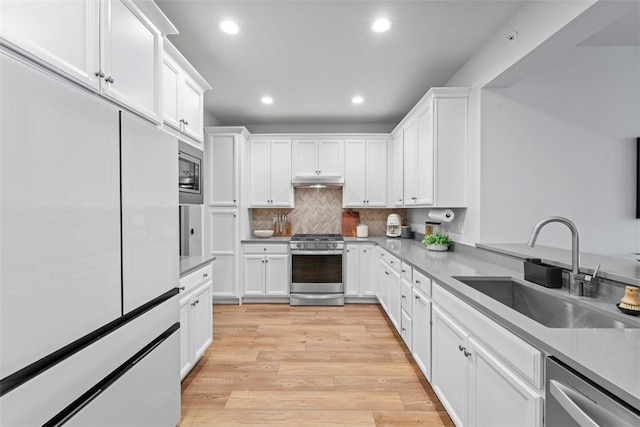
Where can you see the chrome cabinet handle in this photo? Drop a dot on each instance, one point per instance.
(417, 296)
(404, 329)
(205, 275)
(391, 261)
(386, 272)
(109, 80)
(186, 123)
(467, 353)
(461, 348)
(182, 288)
(403, 296)
(99, 74)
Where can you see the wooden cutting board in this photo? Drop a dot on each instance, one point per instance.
(350, 221)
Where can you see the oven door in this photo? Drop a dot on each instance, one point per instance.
(316, 272)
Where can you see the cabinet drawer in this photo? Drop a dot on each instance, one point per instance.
(407, 272)
(422, 282)
(392, 261)
(522, 357)
(406, 300)
(190, 281)
(269, 248)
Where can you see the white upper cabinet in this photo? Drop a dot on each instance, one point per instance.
(433, 139)
(323, 158)
(64, 34)
(365, 173)
(222, 162)
(397, 197)
(183, 94)
(270, 173)
(110, 46)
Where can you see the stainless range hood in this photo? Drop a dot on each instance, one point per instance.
(314, 181)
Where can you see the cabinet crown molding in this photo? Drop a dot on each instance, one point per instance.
(175, 54)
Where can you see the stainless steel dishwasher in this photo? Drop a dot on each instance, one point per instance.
(572, 400)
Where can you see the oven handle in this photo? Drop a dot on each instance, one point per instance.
(562, 395)
(297, 252)
(317, 296)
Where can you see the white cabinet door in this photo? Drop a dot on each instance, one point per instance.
(260, 169)
(186, 361)
(330, 157)
(376, 173)
(367, 261)
(201, 320)
(411, 163)
(425, 158)
(422, 332)
(354, 190)
(406, 329)
(450, 369)
(406, 297)
(192, 108)
(150, 241)
(305, 158)
(498, 397)
(130, 55)
(64, 34)
(222, 242)
(170, 92)
(280, 173)
(395, 286)
(253, 274)
(383, 285)
(221, 184)
(277, 275)
(398, 172)
(352, 279)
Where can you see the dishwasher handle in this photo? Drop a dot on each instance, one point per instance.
(562, 394)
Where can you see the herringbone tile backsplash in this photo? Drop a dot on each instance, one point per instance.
(320, 211)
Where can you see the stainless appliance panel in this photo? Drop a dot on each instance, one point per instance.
(316, 268)
(572, 400)
(190, 217)
(316, 299)
(317, 287)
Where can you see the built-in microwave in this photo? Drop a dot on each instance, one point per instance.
(190, 175)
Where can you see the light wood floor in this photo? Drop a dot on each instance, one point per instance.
(272, 364)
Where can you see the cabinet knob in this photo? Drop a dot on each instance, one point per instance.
(403, 296)
(109, 80)
(461, 348)
(417, 282)
(186, 123)
(404, 329)
(364, 250)
(182, 288)
(266, 260)
(386, 272)
(417, 296)
(391, 262)
(467, 353)
(99, 74)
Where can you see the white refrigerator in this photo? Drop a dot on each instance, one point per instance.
(89, 322)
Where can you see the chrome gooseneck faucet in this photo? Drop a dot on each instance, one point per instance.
(575, 281)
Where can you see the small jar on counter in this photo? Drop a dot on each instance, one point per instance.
(431, 227)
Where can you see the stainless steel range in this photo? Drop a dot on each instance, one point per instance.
(316, 269)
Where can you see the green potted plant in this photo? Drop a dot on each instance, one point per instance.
(437, 242)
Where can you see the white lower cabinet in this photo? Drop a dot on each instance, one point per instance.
(421, 340)
(265, 270)
(196, 317)
(390, 285)
(476, 386)
(222, 239)
(360, 267)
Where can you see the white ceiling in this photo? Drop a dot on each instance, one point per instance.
(312, 57)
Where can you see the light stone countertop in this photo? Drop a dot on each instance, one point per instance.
(189, 264)
(609, 357)
(618, 269)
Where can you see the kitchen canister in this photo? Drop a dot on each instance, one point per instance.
(405, 232)
(362, 230)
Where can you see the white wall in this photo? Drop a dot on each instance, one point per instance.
(563, 142)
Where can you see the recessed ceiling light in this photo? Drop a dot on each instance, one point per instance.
(229, 27)
(267, 100)
(381, 25)
(357, 100)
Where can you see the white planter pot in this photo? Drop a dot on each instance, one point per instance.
(438, 248)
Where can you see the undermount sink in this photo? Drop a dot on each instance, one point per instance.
(547, 309)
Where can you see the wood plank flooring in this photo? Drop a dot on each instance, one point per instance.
(276, 365)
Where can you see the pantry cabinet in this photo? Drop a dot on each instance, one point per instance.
(270, 173)
(222, 166)
(265, 270)
(109, 46)
(365, 173)
(196, 327)
(318, 158)
(360, 266)
(183, 94)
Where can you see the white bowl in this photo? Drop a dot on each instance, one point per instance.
(263, 233)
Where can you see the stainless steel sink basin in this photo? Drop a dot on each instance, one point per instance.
(547, 309)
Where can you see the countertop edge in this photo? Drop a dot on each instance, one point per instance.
(189, 264)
